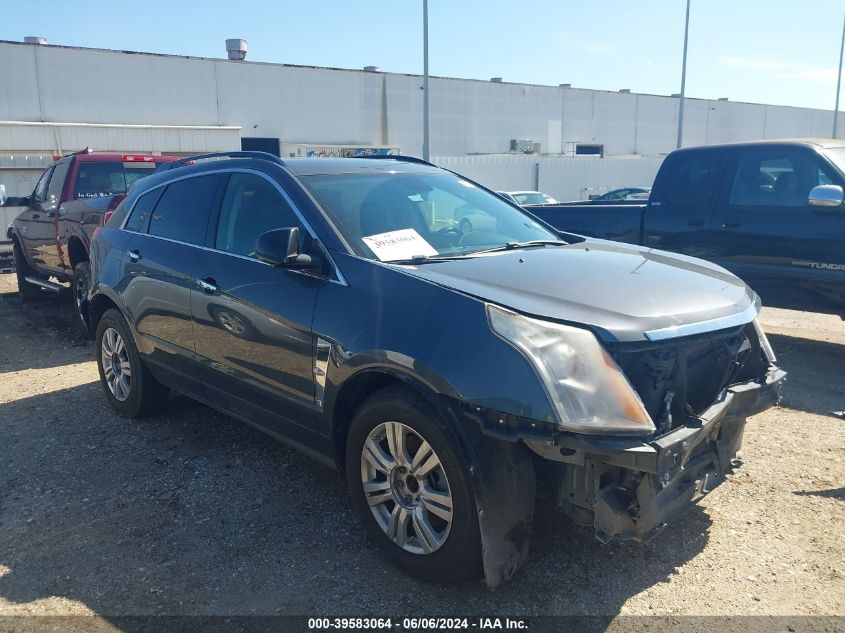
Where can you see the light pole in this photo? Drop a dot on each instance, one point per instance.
(425, 81)
(683, 82)
(839, 80)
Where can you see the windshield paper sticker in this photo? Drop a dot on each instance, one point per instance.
(402, 244)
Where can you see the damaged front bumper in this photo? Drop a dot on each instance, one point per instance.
(628, 488)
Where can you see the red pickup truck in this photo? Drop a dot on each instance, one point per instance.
(74, 196)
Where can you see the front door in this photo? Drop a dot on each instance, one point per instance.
(253, 321)
(763, 228)
(35, 222)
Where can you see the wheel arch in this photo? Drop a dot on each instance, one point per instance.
(360, 386)
(76, 251)
(98, 303)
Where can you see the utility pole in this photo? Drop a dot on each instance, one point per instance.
(839, 80)
(683, 82)
(425, 81)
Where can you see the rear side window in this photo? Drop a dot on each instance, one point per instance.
(182, 211)
(691, 180)
(251, 206)
(141, 211)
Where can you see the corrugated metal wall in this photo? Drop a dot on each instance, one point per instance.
(328, 106)
(565, 177)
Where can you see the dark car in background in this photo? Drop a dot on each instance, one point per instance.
(51, 236)
(771, 212)
(448, 374)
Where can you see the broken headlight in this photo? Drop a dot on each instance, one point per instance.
(588, 391)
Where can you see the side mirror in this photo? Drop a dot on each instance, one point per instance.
(826, 196)
(280, 247)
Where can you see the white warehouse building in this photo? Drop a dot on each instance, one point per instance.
(58, 99)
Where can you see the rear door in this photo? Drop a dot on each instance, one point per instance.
(170, 225)
(763, 228)
(252, 320)
(677, 217)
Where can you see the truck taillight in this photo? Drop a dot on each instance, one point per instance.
(130, 158)
(113, 203)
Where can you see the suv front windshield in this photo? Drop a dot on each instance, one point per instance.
(400, 216)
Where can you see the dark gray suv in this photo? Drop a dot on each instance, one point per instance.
(337, 305)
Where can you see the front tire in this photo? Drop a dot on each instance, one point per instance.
(411, 488)
(129, 386)
(28, 291)
(80, 285)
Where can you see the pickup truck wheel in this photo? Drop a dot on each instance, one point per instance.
(412, 488)
(80, 285)
(27, 290)
(129, 386)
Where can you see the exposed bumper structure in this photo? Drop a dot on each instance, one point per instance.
(631, 489)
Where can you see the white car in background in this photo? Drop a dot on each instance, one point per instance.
(527, 198)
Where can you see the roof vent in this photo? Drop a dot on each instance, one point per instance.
(565, 85)
(371, 69)
(496, 80)
(236, 48)
(625, 91)
(723, 98)
(35, 39)
(676, 95)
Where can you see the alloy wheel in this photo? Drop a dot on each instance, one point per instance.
(115, 360)
(406, 488)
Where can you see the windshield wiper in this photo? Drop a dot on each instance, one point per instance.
(515, 245)
(428, 259)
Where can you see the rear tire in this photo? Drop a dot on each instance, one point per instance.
(419, 508)
(80, 285)
(129, 386)
(27, 290)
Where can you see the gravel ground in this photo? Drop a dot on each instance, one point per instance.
(191, 512)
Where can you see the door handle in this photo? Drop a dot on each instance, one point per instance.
(208, 285)
(695, 222)
(731, 224)
(135, 255)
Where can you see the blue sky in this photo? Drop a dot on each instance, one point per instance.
(767, 51)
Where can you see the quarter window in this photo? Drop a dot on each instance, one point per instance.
(251, 206)
(183, 209)
(141, 212)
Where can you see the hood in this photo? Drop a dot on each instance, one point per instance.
(621, 292)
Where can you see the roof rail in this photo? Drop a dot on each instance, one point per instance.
(400, 157)
(190, 159)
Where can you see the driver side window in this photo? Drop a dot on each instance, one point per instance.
(40, 193)
(251, 206)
